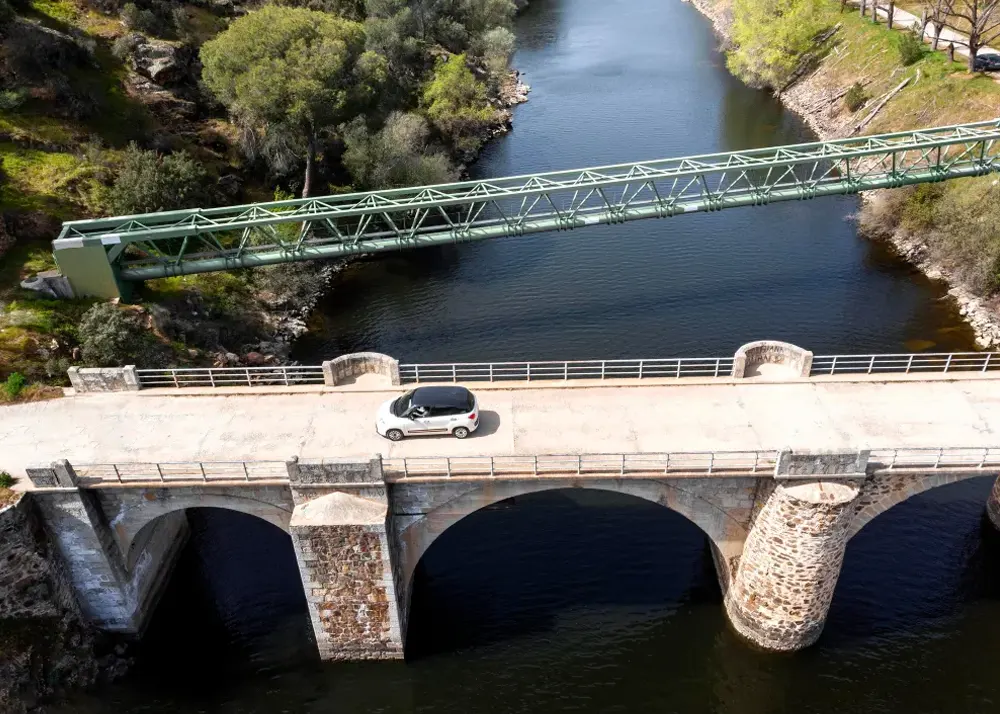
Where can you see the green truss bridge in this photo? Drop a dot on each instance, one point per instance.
(104, 257)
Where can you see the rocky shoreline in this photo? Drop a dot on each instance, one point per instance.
(812, 103)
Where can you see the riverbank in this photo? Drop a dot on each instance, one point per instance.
(937, 93)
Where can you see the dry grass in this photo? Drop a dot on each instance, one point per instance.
(8, 497)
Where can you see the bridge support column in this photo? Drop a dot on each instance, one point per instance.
(341, 540)
(110, 596)
(993, 505)
(783, 585)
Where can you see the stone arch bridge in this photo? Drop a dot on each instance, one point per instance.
(778, 524)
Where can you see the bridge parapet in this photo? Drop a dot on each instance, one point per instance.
(771, 358)
(348, 368)
(104, 379)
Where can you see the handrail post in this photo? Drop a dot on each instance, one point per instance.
(909, 364)
(173, 373)
(579, 464)
(211, 376)
(247, 371)
(447, 463)
(678, 368)
(666, 465)
(528, 365)
(491, 371)
(118, 474)
(718, 366)
(159, 471)
(535, 465)
(284, 373)
(833, 365)
(640, 369)
(454, 372)
(947, 364)
(711, 462)
(602, 369)
(246, 472)
(940, 454)
(986, 454)
(416, 373)
(204, 476)
(986, 364)
(623, 465)
(565, 371)
(406, 471)
(493, 473)
(871, 364)
(756, 460)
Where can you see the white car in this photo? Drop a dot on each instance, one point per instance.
(429, 410)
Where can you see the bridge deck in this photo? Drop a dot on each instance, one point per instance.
(124, 427)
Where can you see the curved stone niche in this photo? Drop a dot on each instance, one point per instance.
(346, 369)
(770, 358)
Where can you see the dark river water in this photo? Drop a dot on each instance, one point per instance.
(586, 601)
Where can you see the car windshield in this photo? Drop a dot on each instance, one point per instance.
(400, 406)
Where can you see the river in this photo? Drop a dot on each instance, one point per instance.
(591, 602)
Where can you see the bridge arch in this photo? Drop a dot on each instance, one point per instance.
(886, 490)
(720, 508)
(134, 513)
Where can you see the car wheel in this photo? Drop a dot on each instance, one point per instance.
(394, 435)
(460, 432)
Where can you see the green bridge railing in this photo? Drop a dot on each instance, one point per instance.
(100, 257)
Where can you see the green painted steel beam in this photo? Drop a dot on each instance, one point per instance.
(205, 240)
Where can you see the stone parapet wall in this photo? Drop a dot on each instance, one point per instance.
(87, 380)
(784, 584)
(349, 588)
(752, 355)
(347, 368)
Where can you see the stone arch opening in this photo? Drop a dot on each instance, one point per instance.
(137, 515)
(235, 589)
(919, 560)
(520, 564)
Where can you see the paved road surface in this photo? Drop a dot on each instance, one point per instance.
(140, 427)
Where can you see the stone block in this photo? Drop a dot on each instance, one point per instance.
(811, 464)
(88, 380)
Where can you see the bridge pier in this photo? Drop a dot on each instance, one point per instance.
(783, 585)
(993, 505)
(341, 540)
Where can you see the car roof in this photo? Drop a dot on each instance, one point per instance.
(441, 397)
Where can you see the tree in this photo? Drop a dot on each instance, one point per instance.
(980, 19)
(495, 47)
(287, 75)
(455, 102)
(769, 38)
(397, 155)
(936, 12)
(146, 182)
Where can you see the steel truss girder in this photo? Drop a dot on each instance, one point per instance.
(203, 240)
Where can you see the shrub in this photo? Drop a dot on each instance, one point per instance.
(397, 155)
(11, 99)
(110, 336)
(909, 47)
(455, 102)
(919, 206)
(141, 20)
(148, 182)
(855, 97)
(6, 480)
(14, 385)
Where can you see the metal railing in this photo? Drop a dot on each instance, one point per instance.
(230, 376)
(674, 367)
(722, 464)
(176, 471)
(935, 458)
(731, 463)
(930, 362)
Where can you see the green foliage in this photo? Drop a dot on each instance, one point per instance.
(909, 47)
(6, 480)
(13, 386)
(111, 337)
(455, 102)
(147, 181)
(770, 38)
(287, 74)
(966, 221)
(397, 155)
(919, 206)
(855, 97)
(11, 99)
